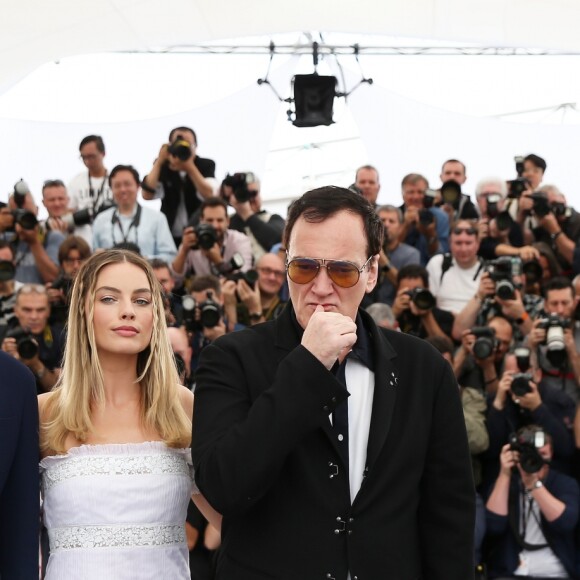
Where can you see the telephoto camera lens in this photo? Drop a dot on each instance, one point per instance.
(486, 343)
(422, 298)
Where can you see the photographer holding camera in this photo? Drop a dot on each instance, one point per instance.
(60, 218)
(414, 306)
(180, 178)
(555, 338)
(32, 340)
(71, 255)
(260, 300)
(90, 190)
(209, 247)
(209, 311)
(425, 227)
(557, 224)
(501, 292)
(454, 276)
(393, 256)
(533, 511)
(478, 361)
(35, 249)
(456, 205)
(523, 398)
(242, 192)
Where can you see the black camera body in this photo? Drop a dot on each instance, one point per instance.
(250, 277)
(206, 236)
(180, 148)
(502, 271)
(239, 183)
(209, 313)
(24, 218)
(520, 384)
(541, 207)
(517, 186)
(422, 298)
(486, 343)
(26, 344)
(451, 193)
(425, 216)
(526, 443)
(83, 217)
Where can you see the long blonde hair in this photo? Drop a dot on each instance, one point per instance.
(80, 386)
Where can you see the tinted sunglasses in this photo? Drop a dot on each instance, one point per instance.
(342, 273)
(470, 231)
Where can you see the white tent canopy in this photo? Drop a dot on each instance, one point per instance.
(33, 32)
(237, 126)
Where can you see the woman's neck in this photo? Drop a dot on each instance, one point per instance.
(120, 378)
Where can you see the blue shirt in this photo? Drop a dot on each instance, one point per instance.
(151, 234)
(417, 240)
(26, 270)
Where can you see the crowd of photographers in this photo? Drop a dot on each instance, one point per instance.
(492, 280)
(493, 283)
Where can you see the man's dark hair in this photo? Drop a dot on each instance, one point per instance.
(5, 244)
(128, 168)
(413, 271)
(319, 204)
(96, 139)
(537, 161)
(442, 343)
(73, 243)
(158, 263)
(209, 282)
(454, 161)
(558, 283)
(213, 202)
(177, 129)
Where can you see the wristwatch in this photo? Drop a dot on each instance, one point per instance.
(255, 316)
(537, 485)
(554, 236)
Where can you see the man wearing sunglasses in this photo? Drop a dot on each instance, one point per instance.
(454, 277)
(320, 437)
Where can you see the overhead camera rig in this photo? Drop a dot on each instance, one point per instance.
(314, 94)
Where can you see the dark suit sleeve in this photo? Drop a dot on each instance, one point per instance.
(446, 510)
(19, 485)
(239, 444)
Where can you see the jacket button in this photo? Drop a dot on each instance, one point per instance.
(326, 408)
(333, 399)
(351, 520)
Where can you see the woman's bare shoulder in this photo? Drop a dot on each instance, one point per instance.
(186, 398)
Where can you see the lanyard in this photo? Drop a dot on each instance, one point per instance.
(99, 192)
(134, 224)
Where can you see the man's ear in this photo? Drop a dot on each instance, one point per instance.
(373, 274)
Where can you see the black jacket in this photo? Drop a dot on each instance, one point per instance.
(267, 458)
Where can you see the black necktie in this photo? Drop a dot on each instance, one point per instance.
(340, 415)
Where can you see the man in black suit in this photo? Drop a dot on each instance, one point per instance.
(333, 449)
(19, 499)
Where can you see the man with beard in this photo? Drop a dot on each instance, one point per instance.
(194, 258)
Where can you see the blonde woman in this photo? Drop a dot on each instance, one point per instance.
(115, 434)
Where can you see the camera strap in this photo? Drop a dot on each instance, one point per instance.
(525, 518)
(115, 220)
(96, 201)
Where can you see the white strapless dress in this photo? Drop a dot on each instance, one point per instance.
(117, 512)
